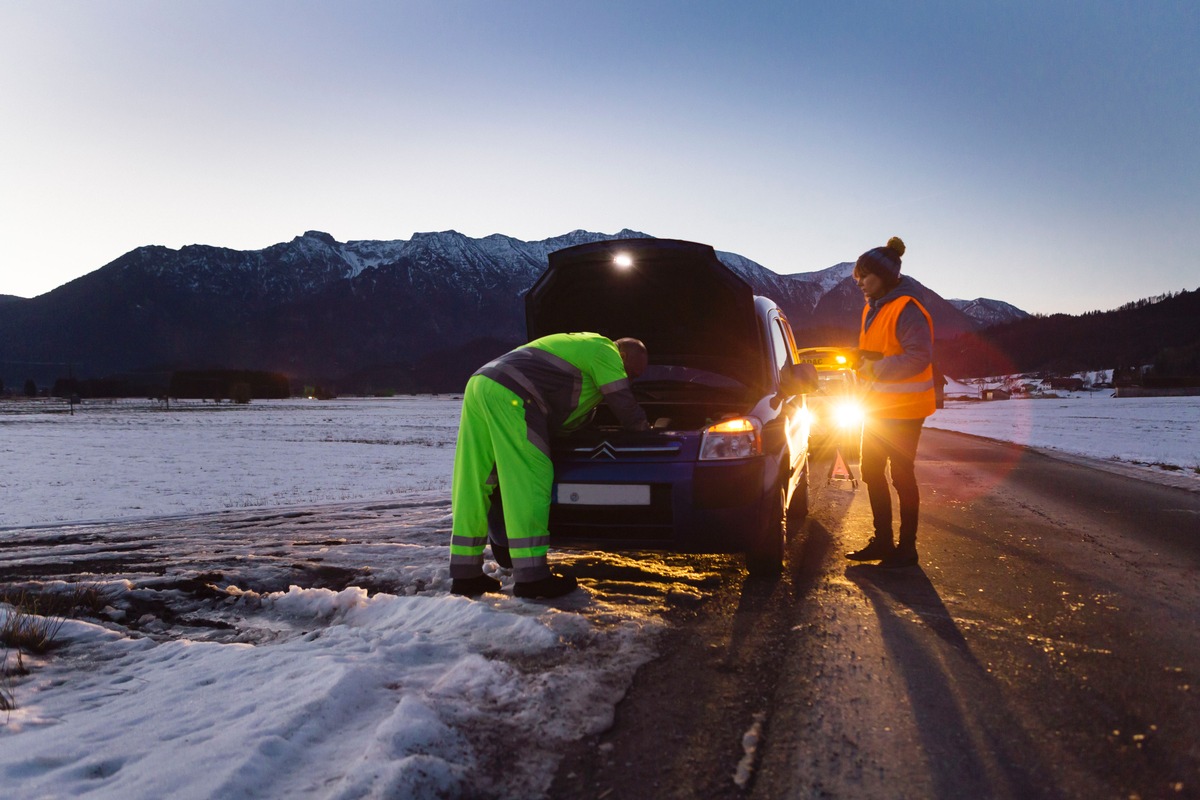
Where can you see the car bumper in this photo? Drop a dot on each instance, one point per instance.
(713, 507)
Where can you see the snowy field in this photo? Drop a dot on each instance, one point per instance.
(1162, 432)
(128, 459)
(131, 459)
(276, 619)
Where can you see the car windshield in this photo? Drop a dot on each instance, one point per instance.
(837, 382)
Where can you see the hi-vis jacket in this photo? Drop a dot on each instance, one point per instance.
(562, 377)
(900, 385)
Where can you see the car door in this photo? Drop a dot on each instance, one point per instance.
(796, 425)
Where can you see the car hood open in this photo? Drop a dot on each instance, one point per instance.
(677, 297)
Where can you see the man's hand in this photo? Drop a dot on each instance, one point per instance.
(858, 356)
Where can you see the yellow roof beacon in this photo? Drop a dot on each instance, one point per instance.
(826, 358)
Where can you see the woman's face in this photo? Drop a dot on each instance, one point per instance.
(870, 284)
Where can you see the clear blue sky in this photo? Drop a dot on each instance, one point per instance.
(1042, 153)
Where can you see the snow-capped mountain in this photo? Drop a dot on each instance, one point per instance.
(826, 279)
(314, 261)
(989, 312)
(416, 314)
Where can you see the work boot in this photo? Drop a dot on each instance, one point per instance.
(903, 556)
(878, 548)
(553, 586)
(473, 587)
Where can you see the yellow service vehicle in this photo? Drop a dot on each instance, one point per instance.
(836, 414)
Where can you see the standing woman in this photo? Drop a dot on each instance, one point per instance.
(895, 366)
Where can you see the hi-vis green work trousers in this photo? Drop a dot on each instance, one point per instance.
(494, 448)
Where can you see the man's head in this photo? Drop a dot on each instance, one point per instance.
(633, 354)
(877, 271)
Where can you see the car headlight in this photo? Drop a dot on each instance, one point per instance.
(732, 438)
(849, 414)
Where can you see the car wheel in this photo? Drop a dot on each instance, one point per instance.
(764, 557)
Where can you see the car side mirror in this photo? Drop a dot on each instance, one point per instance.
(799, 379)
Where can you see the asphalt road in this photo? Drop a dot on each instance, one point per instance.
(1047, 647)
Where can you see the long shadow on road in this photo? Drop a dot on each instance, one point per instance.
(974, 743)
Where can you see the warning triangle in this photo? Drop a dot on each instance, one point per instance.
(840, 470)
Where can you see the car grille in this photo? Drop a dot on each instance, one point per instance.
(606, 451)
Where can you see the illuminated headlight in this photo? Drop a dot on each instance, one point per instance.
(732, 438)
(848, 415)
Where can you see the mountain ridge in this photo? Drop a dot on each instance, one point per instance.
(989, 312)
(319, 309)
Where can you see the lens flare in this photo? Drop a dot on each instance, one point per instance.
(848, 415)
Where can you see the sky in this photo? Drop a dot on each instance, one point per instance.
(1044, 154)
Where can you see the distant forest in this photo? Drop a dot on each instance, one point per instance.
(1155, 341)
(240, 386)
(1159, 332)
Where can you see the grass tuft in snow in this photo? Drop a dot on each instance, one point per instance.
(33, 618)
(7, 699)
(31, 623)
(24, 629)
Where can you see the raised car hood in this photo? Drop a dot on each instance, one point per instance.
(677, 297)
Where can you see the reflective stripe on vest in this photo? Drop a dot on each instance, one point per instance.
(910, 398)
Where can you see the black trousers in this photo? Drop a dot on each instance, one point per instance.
(894, 441)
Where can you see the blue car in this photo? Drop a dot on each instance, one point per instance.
(724, 467)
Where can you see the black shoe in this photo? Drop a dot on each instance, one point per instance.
(554, 586)
(901, 557)
(875, 550)
(473, 587)
(502, 555)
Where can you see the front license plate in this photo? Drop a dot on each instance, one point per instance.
(603, 494)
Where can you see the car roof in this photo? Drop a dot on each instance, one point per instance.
(676, 296)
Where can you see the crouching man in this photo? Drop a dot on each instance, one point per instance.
(510, 408)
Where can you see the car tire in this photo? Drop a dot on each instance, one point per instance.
(764, 557)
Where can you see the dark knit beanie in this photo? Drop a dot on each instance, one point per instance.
(883, 261)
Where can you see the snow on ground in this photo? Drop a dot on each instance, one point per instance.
(1157, 431)
(307, 647)
(125, 459)
(316, 692)
(276, 616)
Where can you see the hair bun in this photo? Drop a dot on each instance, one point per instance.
(897, 244)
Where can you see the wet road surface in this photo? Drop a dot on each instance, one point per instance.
(1047, 647)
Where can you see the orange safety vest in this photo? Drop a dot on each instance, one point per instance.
(910, 398)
